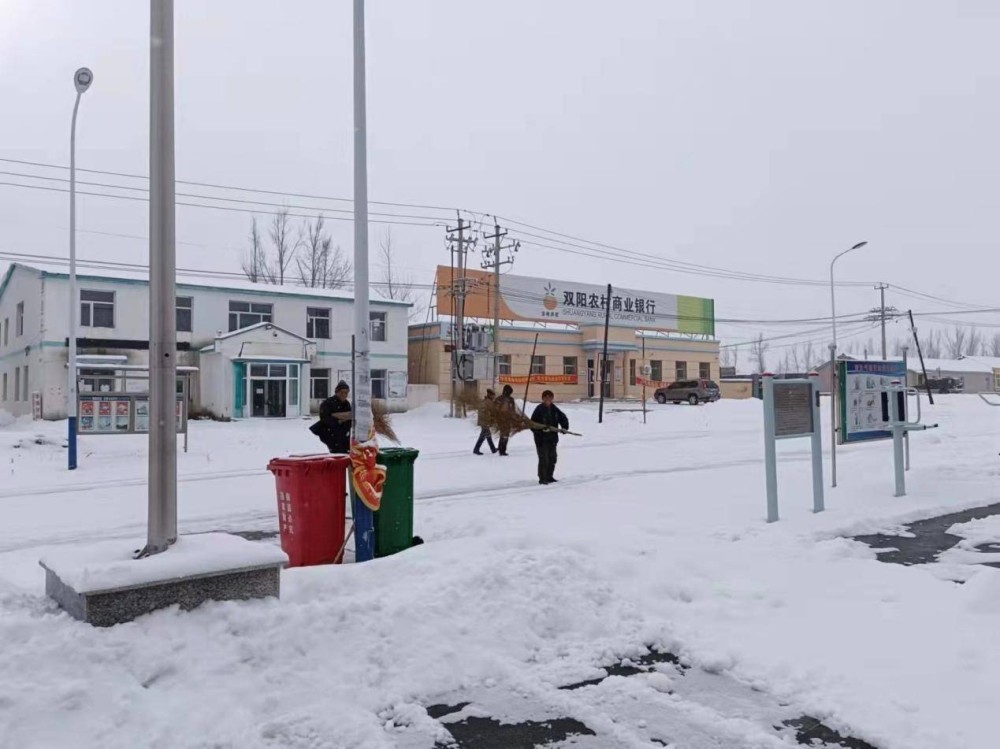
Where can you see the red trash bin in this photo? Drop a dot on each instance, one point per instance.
(311, 507)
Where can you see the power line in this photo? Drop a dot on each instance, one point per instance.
(227, 187)
(628, 256)
(223, 199)
(213, 207)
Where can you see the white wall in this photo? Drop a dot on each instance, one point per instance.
(216, 378)
(24, 350)
(47, 322)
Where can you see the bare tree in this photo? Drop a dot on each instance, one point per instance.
(320, 264)
(255, 260)
(994, 345)
(932, 345)
(758, 352)
(396, 284)
(809, 356)
(792, 358)
(956, 341)
(283, 247)
(974, 346)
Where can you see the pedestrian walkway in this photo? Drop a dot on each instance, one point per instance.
(653, 699)
(929, 538)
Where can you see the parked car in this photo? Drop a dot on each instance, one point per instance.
(945, 385)
(692, 391)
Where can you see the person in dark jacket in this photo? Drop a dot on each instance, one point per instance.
(506, 409)
(551, 419)
(336, 433)
(485, 418)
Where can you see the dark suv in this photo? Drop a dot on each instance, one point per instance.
(692, 391)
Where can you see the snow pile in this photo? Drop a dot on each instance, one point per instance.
(111, 564)
(655, 534)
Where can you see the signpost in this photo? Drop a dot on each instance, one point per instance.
(860, 387)
(791, 411)
(893, 403)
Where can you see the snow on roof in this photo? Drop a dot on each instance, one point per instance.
(959, 366)
(191, 279)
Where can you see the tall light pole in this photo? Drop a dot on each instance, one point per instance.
(82, 79)
(162, 518)
(833, 364)
(363, 516)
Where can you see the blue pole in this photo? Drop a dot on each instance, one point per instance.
(72, 443)
(364, 530)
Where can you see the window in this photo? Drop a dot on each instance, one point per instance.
(97, 309)
(317, 322)
(538, 364)
(681, 370)
(293, 386)
(17, 383)
(503, 364)
(377, 326)
(20, 319)
(378, 383)
(319, 384)
(244, 314)
(6, 331)
(24, 395)
(656, 370)
(569, 365)
(4, 386)
(996, 379)
(631, 372)
(96, 381)
(705, 370)
(185, 314)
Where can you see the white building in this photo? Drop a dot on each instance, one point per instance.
(978, 374)
(262, 351)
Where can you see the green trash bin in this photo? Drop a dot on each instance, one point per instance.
(394, 520)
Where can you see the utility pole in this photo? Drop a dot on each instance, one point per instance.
(363, 422)
(459, 243)
(162, 530)
(881, 289)
(492, 259)
(603, 368)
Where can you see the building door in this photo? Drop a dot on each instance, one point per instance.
(276, 398)
(608, 377)
(268, 398)
(258, 392)
(590, 378)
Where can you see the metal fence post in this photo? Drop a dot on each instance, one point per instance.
(770, 450)
(817, 445)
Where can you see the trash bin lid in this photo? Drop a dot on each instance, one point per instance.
(392, 455)
(300, 462)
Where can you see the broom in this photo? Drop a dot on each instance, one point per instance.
(500, 421)
(380, 420)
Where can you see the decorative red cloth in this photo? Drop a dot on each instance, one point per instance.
(367, 475)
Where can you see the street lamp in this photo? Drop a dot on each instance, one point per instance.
(82, 79)
(833, 298)
(833, 365)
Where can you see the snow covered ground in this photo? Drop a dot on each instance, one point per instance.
(654, 536)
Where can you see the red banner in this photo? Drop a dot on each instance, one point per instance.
(540, 379)
(640, 380)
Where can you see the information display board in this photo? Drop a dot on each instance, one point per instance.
(121, 413)
(793, 409)
(860, 388)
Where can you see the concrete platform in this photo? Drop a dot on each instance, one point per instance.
(102, 584)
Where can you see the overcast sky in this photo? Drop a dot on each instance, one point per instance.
(758, 137)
